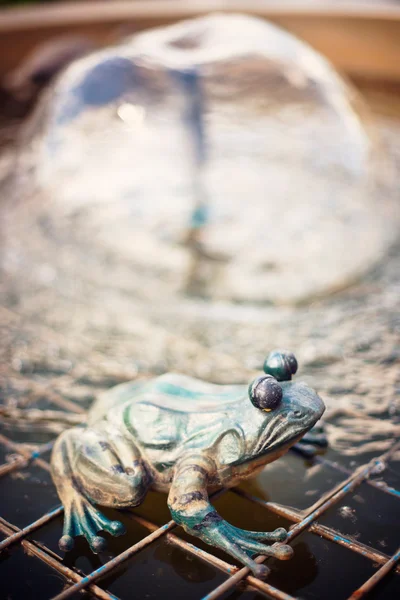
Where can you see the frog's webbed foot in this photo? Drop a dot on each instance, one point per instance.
(82, 518)
(190, 508)
(243, 544)
(312, 442)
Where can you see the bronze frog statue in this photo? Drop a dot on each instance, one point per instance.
(179, 434)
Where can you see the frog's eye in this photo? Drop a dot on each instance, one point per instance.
(265, 393)
(281, 365)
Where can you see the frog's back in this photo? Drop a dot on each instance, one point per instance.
(172, 392)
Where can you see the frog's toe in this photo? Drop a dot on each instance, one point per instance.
(279, 535)
(90, 530)
(250, 542)
(243, 545)
(93, 522)
(260, 571)
(279, 551)
(66, 543)
(82, 518)
(83, 521)
(242, 553)
(283, 552)
(97, 544)
(102, 523)
(116, 528)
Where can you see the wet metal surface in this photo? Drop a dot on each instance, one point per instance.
(274, 587)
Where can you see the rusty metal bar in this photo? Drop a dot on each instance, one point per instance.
(176, 541)
(65, 404)
(18, 463)
(319, 508)
(39, 389)
(115, 562)
(326, 532)
(213, 560)
(26, 458)
(51, 559)
(232, 581)
(21, 448)
(118, 560)
(370, 469)
(348, 486)
(379, 485)
(22, 533)
(376, 578)
(39, 415)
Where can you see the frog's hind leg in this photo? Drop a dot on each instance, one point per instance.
(112, 469)
(80, 516)
(88, 469)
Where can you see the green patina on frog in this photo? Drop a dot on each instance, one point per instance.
(182, 435)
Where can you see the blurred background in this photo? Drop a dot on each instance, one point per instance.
(185, 191)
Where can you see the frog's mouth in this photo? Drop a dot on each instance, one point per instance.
(264, 453)
(278, 435)
(301, 408)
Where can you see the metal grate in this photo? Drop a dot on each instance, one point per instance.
(302, 521)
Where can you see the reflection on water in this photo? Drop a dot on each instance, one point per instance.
(369, 516)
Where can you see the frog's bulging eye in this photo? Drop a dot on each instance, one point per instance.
(265, 393)
(281, 365)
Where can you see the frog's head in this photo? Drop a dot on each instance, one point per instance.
(287, 411)
(277, 415)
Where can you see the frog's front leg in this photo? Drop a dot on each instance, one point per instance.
(91, 467)
(190, 507)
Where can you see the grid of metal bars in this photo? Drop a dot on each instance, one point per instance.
(302, 521)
